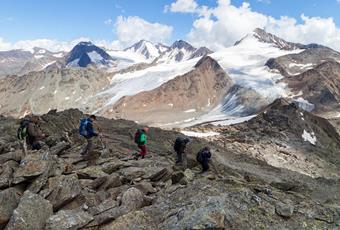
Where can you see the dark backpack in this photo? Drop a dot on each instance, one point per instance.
(22, 131)
(199, 156)
(138, 135)
(83, 127)
(178, 143)
(203, 154)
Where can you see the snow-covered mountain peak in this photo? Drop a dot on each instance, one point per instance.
(180, 44)
(85, 53)
(147, 49)
(264, 37)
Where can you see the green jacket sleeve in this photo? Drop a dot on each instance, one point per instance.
(143, 139)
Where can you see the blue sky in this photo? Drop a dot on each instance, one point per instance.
(65, 20)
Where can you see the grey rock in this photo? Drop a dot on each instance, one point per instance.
(32, 165)
(67, 220)
(59, 148)
(9, 199)
(63, 190)
(285, 210)
(31, 213)
(132, 199)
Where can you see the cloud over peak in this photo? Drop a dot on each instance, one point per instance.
(224, 24)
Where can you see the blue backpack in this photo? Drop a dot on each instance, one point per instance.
(83, 127)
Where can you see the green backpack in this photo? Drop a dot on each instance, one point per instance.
(22, 132)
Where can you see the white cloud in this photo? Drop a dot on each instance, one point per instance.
(128, 30)
(224, 24)
(132, 29)
(53, 45)
(183, 6)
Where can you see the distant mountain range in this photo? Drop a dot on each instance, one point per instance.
(177, 85)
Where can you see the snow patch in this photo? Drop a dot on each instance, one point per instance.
(38, 56)
(58, 55)
(67, 98)
(41, 88)
(190, 111)
(95, 57)
(199, 134)
(304, 104)
(310, 137)
(233, 121)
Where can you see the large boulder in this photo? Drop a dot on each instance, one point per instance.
(285, 210)
(9, 200)
(63, 190)
(133, 199)
(131, 173)
(15, 156)
(31, 213)
(59, 148)
(32, 165)
(6, 173)
(67, 220)
(91, 172)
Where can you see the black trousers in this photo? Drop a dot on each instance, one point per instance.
(205, 165)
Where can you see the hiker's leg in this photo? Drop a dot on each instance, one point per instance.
(143, 151)
(88, 147)
(23, 146)
(205, 165)
(184, 160)
(179, 157)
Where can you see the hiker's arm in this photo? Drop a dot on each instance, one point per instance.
(91, 131)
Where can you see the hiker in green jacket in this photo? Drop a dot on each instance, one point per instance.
(141, 141)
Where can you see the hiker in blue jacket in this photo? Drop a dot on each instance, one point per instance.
(86, 130)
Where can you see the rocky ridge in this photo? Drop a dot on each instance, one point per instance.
(59, 189)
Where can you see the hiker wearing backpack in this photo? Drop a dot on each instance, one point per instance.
(203, 157)
(86, 130)
(22, 134)
(35, 136)
(180, 149)
(140, 140)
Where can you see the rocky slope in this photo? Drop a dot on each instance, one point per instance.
(19, 62)
(59, 189)
(192, 94)
(313, 76)
(53, 88)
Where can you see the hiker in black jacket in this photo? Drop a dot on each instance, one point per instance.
(203, 157)
(180, 147)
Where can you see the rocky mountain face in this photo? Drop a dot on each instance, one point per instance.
(56, 188)
(312, 75)
(286, 136)
(185, 96)
(86, 53)
(19, 62)
(134, 79)
(53, 88)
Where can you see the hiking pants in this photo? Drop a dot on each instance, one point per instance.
(142, 150)
(23, 146)
(88, 147)
(181, 159)
(205, 165)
